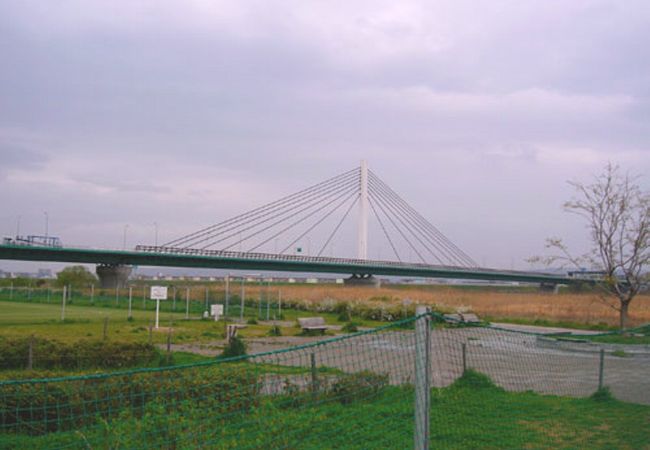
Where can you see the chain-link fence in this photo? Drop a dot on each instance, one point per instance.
(420, 381)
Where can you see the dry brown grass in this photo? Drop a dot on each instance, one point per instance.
(584, 308)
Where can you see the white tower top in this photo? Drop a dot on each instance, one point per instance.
(362, 233)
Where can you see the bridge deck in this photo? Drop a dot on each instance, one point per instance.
(213, 259)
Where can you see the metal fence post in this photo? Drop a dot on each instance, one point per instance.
(314, 376)
(422, 378)
(464, 358)
(601, 369)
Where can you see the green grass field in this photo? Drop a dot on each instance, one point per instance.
(467, 415)
(22, 318)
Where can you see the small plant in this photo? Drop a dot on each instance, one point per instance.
(236, 347)
(474, 380)
(620, 353)
(252, 321)
(358, 386)
(603, 394)
(350, 327)
(275, 331)
(344, 316)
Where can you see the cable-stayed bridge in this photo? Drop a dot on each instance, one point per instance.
(273, 237)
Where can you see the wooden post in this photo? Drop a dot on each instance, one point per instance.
(169, 344)
(30, 354)
(225, 313)
(601, 369)
(187, 302)
(130, 300)
(63, 304)
(242, 305)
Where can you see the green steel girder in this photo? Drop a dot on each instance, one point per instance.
(93, 256)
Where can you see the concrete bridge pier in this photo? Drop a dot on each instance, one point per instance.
(113, 275)
(549, 287)
(364, 279)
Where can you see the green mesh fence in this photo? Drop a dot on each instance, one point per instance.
(488, 388)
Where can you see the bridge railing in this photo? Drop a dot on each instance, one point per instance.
(314, 259)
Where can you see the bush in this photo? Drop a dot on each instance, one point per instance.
(358, 386)
(37, 408)
(252, 321)
(350, 327)
(602, 395)
(236, 347)
(86, 354)
(474, 380)
(275, 331)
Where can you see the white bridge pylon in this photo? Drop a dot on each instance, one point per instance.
(362, 232)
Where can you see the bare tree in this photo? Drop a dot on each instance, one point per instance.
(617, 213)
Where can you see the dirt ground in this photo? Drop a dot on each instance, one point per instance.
(513, 360)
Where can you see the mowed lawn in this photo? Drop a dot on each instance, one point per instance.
(13, 313)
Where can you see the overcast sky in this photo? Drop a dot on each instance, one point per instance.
(185, 113)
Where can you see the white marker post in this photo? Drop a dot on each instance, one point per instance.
(158, 293)
(130, 301)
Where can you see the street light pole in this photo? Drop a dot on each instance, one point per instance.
(126, 227)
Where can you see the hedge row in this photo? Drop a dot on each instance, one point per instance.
(36, 408)
(49, 354)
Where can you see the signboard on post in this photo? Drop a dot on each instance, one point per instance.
(216, 311)
(158, 293)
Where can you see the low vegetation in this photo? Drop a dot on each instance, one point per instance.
(356, 412)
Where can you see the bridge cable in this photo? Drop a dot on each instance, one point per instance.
(289, 206)
(349, 174)
(405, 208)
(260, 221)
(415, 229)
(381, 223)
(320, 221)
(294, 223)
(336, 229)
(447, 244)
(390, 218)
(380, 200)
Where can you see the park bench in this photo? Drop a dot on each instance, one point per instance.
(461, 318)
(312, 324)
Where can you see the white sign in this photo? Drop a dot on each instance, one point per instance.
(216, 311)
(158, 292)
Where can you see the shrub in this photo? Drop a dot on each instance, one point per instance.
(603, 394)
(350, 327)
(275, 331)
(357, 386)
(252, 321)
(473, 379)
(86, 354)
(37, 408)
(236, 347)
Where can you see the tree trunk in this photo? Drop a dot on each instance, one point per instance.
(624, 314)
